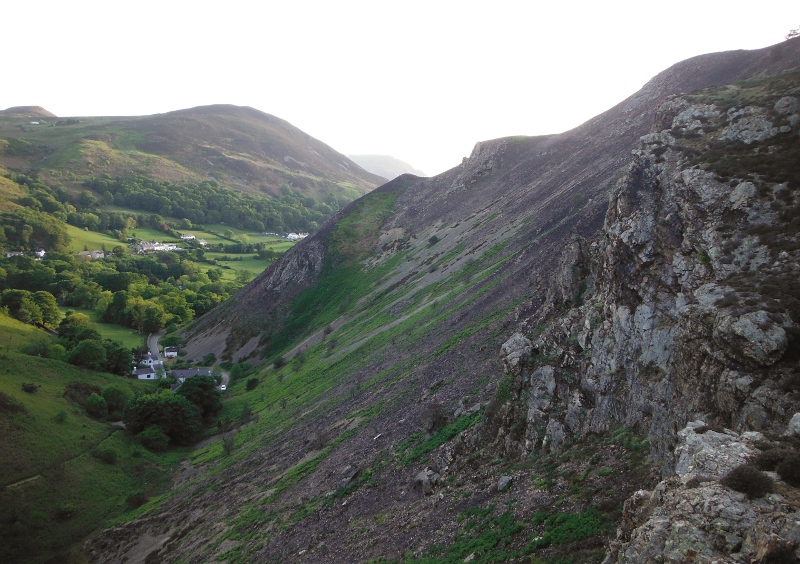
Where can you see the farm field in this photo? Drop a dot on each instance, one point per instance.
(128, 337)
(89, 240)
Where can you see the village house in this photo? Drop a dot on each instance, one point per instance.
(171, 352)
(188, 237)
(183, 374)
(40, 253)
(154, 246)
(92, 255)
(151, 360)
(147, 373)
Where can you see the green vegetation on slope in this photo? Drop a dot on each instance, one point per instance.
(63, 473)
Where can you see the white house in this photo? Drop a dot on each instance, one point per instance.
(154, 246)
(40, 253)
(188, 237)
(151, 360)
(148, 373)
(171, 352)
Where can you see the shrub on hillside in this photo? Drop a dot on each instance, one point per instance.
(116, 398)
(789, 469)
(30, 388)
(96, 406)
(136, 500)
(9, 404)
(252, 383)
(153, 438)
(80, 391)
(65, 511)
(105, 455)
(769, 459)
(434, 417)
(748, 480)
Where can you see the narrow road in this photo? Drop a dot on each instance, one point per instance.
(152, 343)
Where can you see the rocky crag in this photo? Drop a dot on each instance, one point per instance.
(636, 275)
(684, 307)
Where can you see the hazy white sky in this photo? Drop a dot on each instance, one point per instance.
(419, 80)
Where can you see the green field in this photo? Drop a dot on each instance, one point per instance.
(14, 334)
(150, 234)
(89, 240)
(128, 337)
(256, 266)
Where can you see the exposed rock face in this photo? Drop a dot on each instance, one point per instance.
(692, 517)
(661, 336)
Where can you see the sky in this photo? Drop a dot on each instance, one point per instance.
(422, 81)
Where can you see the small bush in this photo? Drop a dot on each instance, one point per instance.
(96, 406)
(30, 388)
(434, 417)
(60, 417)
(153, 438)
(252, 383)
(780, 553)
(769, 459)
(136, 500)
(280, 362)
(748, 480)
(433, 240)
(246, 413)
(79, 392)
(105, 455)
(9, 404)
(116, 398)
(65, 511)
(789, 469)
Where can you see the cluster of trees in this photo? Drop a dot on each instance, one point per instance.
(145, 293)
(79, 344)
(208, 203)
(37, 308)
(27, 229)
(159, 418)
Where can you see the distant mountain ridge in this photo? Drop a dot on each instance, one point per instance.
(242, 148)
(386, 166)
(27, 111)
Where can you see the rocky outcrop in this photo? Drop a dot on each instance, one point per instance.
(692, 517)
(668, 326)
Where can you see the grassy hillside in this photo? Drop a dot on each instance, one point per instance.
(245, 150)
(54, 489)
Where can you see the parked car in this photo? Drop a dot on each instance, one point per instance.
(223, 387)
